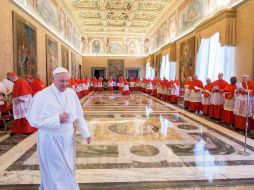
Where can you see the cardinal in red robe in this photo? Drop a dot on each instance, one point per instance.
(159, 89)
(84, 86)
(138, 84)
(29, 79)
(132, 84)
(110, 84)
(217, 99)
(175, 90)
(21, 98)
(72, 84)
(229, 104)
(143, 85)
(126, 90)
(99, 84)
(79, 87)
(206, 96)
(120, 83)
(95, 84)
(155, 85)
(241, 102)
(187, 92)
(149, 86)
(37, 84)
(195, 87)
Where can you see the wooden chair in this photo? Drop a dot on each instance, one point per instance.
(6, 116)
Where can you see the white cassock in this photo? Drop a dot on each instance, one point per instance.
(56, 146)
(8, 85)
(3, 91)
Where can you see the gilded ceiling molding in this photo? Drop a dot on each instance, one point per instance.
(127, 17)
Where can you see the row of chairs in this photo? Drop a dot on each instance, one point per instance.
(6, 116)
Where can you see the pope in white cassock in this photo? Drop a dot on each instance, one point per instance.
(53, 111)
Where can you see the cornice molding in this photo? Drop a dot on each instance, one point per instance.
(228, 13)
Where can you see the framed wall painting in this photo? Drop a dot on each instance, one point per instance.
(187, 59)
(51, 57)
(73, 65)
(115, 68)
(65, 57)
(24, 46)
(158, 59)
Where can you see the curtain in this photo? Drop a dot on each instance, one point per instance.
(167, 69)
(224, 23)
(212, 59)
(172, 70)
(150, 71)
(162, 68)
(148, 68)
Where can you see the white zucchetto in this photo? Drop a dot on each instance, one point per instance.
(60, 70)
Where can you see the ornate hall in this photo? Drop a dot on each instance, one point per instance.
(127, 94)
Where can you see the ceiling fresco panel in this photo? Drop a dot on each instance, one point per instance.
(126, 27)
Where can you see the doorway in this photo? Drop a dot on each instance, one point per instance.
(133, 72)
(99, 72)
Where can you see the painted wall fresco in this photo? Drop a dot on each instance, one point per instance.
(68, 30)
(76, 40)
(61, 22)
(24, 36)
(47, 9)
(164, 34)
(146, 46)
(189, 14)
(53, 17)
(97, 46)
(51, 57)
(133, 47)
(114, 45)
(84, 44)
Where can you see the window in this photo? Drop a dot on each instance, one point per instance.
(150, 72)
(213, 59)
(168, 69)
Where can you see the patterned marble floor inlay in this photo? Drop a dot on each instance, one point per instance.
(187, 127)
(134, 129)
(205, 143)
(9, 142)
(140, 142)
(144, 150)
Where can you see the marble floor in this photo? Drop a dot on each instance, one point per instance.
(140, 142)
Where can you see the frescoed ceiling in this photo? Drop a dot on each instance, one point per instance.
(122, 27)
(124, 17)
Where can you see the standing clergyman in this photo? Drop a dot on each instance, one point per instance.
(53, 111)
